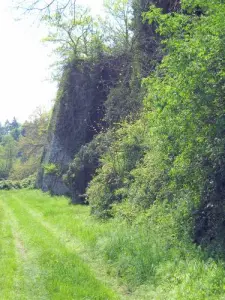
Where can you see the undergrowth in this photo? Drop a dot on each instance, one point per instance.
(155, 256)
(28, 182)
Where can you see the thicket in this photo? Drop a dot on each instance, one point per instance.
(25, 183)
(156, 259)
(183, 118)
(111, 183)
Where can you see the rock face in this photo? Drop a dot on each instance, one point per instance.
(77, 117)
(84, 89)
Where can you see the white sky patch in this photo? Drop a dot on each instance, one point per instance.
(24, 65)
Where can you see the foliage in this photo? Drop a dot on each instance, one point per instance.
(10, 133)
(85, 163)
(184, 120)
(113, 178)
(8, 151)
(52, 169)
(28, 182)
(185, 107)
(34, 135)
(117, 25)
(23, 169)
(30, 145)
(10, 128)
(21, 146)
(76, 34)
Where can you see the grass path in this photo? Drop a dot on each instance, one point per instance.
(51, 250)
(42, 250)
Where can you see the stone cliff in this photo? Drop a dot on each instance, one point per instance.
(87, 89)
(77, 116)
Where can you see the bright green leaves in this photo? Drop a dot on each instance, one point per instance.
(118, 24)
(184, 116)
(112, 181)
(70, 32)
(76, 34)
(185, 99)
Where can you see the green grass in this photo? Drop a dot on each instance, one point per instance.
(52, 250)
(38, 262)
(8, 259)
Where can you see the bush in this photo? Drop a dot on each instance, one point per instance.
(111, 184)
(85, 163)
(153, 254)
(180, 153)
(52, 169)
(28, 182)
(23, 169)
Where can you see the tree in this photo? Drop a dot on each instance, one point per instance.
(117, 24)
(44, 8)
(77, 34)
(74, 33)
(15, 129)
(30, 146)
(7, 127)
(10, 128)
(2, 132)
(8, 151)
(34, 134)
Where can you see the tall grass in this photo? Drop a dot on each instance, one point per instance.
(167, 269)
(151, 256)
(157, 259)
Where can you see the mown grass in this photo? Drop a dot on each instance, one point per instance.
(55, 270)
(69, 253)
(8, 261)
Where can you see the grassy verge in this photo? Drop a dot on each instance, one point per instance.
(52, 270)
(70, 253)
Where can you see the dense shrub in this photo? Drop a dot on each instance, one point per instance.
(183, 155)
(154, 256)
(124, 102)
(23, 169)
(28, 182)
(112, 181)
(85, 163)
(186, 111)
(52, 169)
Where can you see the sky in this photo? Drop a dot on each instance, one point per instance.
(24, 64)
